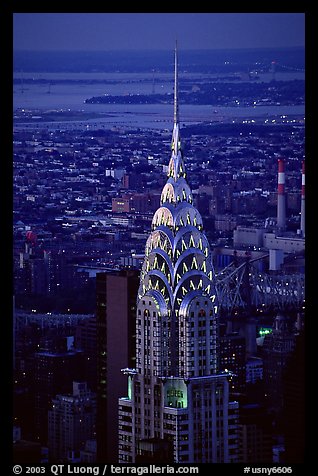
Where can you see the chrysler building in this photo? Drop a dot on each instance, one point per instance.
(176, 396)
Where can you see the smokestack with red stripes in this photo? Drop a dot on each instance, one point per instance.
(302, 210)
(281, 199)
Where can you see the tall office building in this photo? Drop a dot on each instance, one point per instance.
(116, 294)
(71, 422)
(177, 400)
(295, 394)
(276, 351)
(232, 359)
(85, 340)
(255, 439)
(34, 270)
(55, 369)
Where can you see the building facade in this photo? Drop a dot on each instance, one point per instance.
(71, 422)
(115, 322)
(53, 373)
(276, 351)
(176, 392)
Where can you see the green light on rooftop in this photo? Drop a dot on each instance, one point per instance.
(263, 331)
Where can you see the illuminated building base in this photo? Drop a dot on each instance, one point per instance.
(194, 415)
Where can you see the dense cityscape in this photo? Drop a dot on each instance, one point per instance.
(123, 239)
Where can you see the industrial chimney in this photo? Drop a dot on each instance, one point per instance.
(281, 199)
(302, 210)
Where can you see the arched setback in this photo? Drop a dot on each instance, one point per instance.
(174, 218)
(190, 237)
(157, 281)
(175, 192)
(192, 281)
(186, 215)
(159, 260)
(161, 239)
(163, 216)
(190, 260)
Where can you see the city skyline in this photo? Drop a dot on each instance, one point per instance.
(156, 31)
(219, 257)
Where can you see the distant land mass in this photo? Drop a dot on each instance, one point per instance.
(285, 93)
(191, 61)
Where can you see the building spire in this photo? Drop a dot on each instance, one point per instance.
(176, 144)
(176, 105)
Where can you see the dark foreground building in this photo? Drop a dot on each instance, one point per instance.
(116, 294)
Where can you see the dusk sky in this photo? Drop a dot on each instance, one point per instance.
(156, 31)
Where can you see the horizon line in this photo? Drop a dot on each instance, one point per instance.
(130, 50)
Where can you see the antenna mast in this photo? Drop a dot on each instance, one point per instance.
(176, 105)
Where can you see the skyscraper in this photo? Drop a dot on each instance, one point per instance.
(115, 320)
(276, 351)
(71, 422)
(176, 393)
(55, 369)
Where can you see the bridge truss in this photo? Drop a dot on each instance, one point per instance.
(244, 286)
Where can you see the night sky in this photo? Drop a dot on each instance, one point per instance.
(156, 31)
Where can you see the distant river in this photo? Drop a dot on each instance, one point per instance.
(159, 116)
